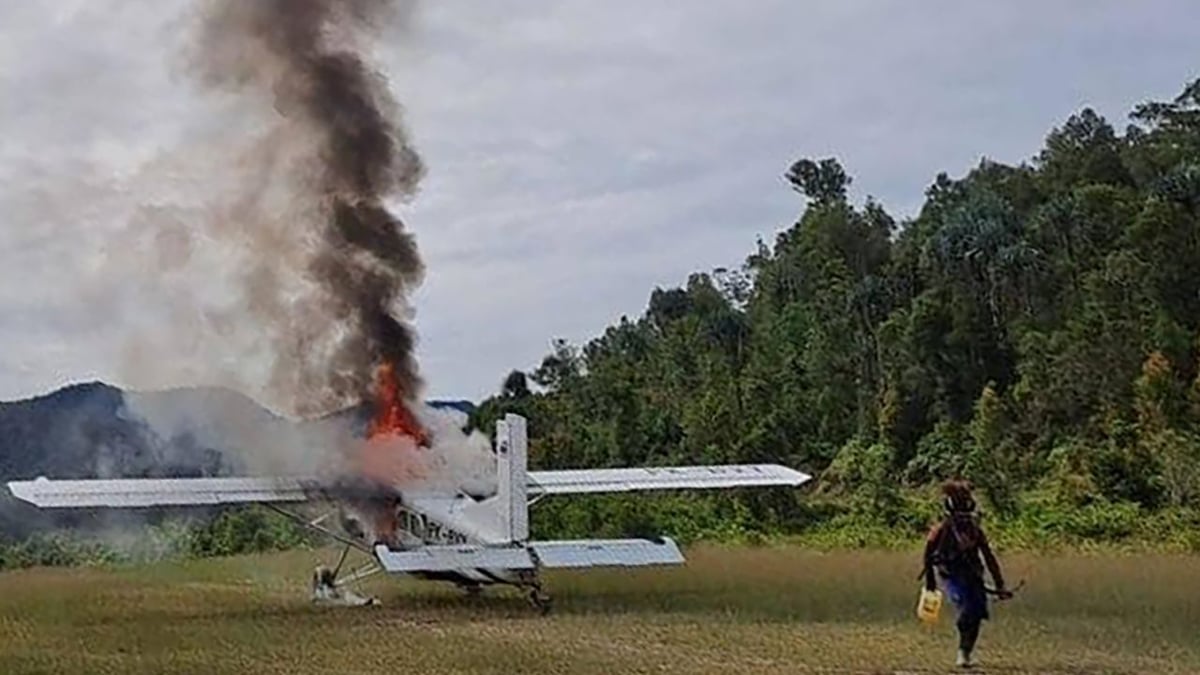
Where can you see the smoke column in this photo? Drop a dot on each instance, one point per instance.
(328, 266)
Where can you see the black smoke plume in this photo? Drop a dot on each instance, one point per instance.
(309, 59)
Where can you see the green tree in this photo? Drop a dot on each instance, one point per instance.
(988, 463)
(823, 181)
(516, 386)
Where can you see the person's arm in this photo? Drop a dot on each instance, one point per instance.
(989, 559)
(931, 543)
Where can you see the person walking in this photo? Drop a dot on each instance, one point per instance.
(957, 551)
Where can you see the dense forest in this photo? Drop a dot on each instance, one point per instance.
(1035, 328)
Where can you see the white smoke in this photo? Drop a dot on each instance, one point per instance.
(253, 441)
(458, 460)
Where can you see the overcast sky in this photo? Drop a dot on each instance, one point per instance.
(579, 153)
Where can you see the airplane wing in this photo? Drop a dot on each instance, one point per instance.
(162, 492)
(149, 492)
(582, 481)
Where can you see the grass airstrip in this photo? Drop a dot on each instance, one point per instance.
(730, 610)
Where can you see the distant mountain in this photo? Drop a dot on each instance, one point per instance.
(95, 430)
(465, 407)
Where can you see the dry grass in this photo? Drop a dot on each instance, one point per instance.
(729, 611)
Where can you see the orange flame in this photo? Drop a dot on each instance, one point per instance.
(392, 416)
(391, 454)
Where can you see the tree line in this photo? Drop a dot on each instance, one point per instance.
(1034, 328)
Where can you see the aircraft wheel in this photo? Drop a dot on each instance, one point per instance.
(323, 577)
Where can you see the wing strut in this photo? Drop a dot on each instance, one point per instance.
(315, 526)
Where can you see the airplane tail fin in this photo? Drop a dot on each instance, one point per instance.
(512, 463)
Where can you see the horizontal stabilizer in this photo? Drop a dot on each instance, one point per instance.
(581, 481)
(607, 553)
(450, 558)
(150, 492)
(549, 554)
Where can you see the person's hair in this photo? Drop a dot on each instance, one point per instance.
(957, 496)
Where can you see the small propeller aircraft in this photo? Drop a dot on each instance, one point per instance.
(471, 540)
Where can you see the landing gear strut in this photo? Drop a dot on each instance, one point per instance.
(328, 590)
(539, 598)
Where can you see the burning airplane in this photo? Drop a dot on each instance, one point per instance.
(472, 540)
(385, 501)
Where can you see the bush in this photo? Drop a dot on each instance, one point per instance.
(233, 531)
(56, 550)
(246, 530)
(684, 517)
(939, 456)
(1178, 456)
(865, 474)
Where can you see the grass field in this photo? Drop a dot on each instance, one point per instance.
(729, 611)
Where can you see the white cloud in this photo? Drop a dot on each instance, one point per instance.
(579, 152)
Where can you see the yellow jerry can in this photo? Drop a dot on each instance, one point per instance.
(929, 606)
